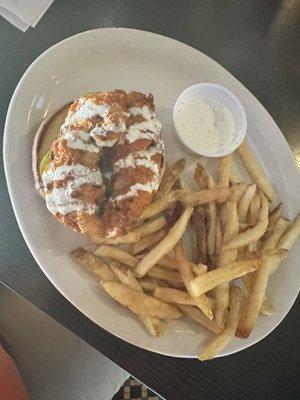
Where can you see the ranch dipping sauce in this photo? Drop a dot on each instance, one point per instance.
(205, 124)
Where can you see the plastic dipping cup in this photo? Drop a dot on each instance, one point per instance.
(228, 99)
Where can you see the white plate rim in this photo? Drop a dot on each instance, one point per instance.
(288, 158)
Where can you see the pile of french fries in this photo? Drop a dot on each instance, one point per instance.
(235, 234)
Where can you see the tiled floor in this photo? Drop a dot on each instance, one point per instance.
(134, 390)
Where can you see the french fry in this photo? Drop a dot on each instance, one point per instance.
(223, 216)
(193, 241)
(224, 169)
(237, 191)
(187, 276)
(117, 254)
(205, 180)
(253, 246)
(199, 269)
(92, 263)
(173, 277)
(253, 217)
(251, 234)
(218, 236)
(222, 291)
(248, 281)
(234, 232)
(255, 170)
(203, 177)
(234, 178)
(132, 281)
(279, 229)
(168, 262)
(245, 202)
(273, 218)
(200, 176)
(165, 245)
(173, 213)
(212, 302)
(245, 225)
(256, 254)
(170, 178)
(199, 223)
(291, 235)
(171, 295)
(147, 284)
(148, 241)
(218, 343)
(211, 221)
(136, 233)
(222, 303)
(266, 307)
(140, 303)
(254, 210)
(157, 206)
(226, 257)
(124, 257)
(256, 295)
(211, 279)
(125, 277)
(205, 196)
(242, 253)
(154, 325)
(196, 315)
(232, 221)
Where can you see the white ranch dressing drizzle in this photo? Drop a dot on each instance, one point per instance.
(134, 190)
(79, 139)
(80, 173)
(61, 200)
(139, 158)
(142, 157)
(205, 123)
(149, 129)
(94, 140)
(86, 109)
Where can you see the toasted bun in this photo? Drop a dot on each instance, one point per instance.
(46, 134)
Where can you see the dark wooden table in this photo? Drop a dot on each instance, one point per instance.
(258, 42)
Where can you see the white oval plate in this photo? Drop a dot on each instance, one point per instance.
(106, 59)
